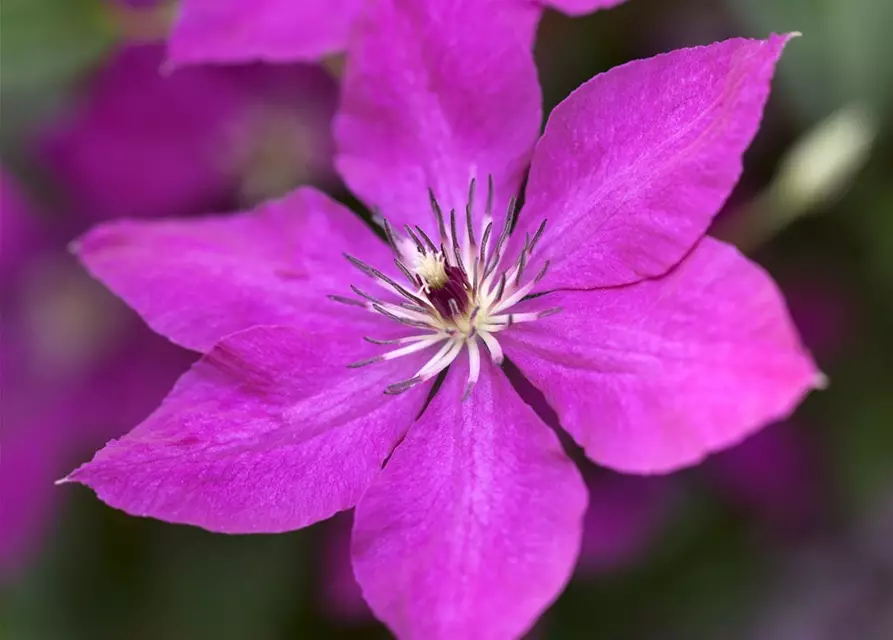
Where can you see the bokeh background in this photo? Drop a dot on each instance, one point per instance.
(789, 536)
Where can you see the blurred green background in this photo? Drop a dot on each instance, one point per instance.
(729, 555)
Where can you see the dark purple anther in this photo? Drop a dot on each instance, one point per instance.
(455, 288)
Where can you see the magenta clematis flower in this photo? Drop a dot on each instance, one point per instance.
(143, 144)
(214, 31)
(625, 518)
(340, 595)
(654, 345)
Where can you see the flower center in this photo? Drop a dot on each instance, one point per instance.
(459, 291)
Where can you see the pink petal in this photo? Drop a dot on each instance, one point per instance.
(654, 376)
(474, 525)
(270, 30)
(269, 432)
(636, 162)
(581, 7)
(437, 92)
(197, 280)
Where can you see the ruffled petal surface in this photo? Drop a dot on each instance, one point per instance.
(474, 525)
(269, 30)
(268, 432)
(635, 163)
(654, 376)
(437, 92)
(197, 280)
(776, 475)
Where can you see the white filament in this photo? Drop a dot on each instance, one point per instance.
(491, 292)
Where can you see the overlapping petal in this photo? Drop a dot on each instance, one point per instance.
(437, 92)
(635, 163)
(652, 377)
(197, 280)
(474, 525)
(21, 237)
(268, 432)
(270, 30)
(626, 516)
(143, 145)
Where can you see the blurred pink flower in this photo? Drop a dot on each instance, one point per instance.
(21, 234)
(835, 586)
(822, 307)
(214, 31)
(68, 380)
(626, 514)
(140, 143)
(668, 345)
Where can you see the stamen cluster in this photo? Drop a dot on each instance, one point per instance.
(459, 290)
